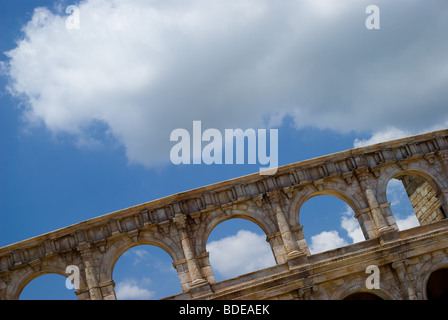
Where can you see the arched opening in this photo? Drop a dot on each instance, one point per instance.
(437, 286)
(362, 296)
(238, 246)
(413, 201)
(49, 286)
(328, 223)
(145, 272)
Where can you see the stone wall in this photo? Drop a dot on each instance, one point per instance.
(180, 224)
(424, 200)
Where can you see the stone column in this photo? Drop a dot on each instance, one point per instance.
(90, 271)
(108, 290)
(443, 198)
(368, 226)
(377, 214)
(294, 255)
(406, 286)
(384, 231)
(193, 268)
(5, 282)
(290, 245)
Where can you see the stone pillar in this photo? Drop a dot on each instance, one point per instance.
(368, 226)
(5, 282)
(375, 209)
(90, 272)
(384, 231)
(406, 286)
(290, 246)
(108, 290)
(294, 255)
(192, 264)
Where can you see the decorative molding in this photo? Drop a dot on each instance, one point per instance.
(270, 198)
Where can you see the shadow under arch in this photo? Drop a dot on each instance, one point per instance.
(423, 191)
(425, 272)
(437, 285)
(358, 285)
(363, 295)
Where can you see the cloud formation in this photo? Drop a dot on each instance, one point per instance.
(351, 225)
(238, 254)
(401, 206)
(139, 69)
(392, 133)
(331, 239)
(131, 289)
(326, 240)
(407, 222)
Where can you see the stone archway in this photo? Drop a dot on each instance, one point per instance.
(329, 223)
(345, 194)
(181, 223)
(145, 272)
(32, 274)
(437, 285)
(362, 295)
(423, 189)
(49, 286)
(237, 246)
(122, 245)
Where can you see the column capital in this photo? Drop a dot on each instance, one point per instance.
(400, 264)
(85, 249)
(443, 154)
(275, 196)
(180, 220)
(363, 174)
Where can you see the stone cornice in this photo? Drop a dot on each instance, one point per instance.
(161, 211)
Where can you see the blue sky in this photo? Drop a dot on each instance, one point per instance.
(86, 113)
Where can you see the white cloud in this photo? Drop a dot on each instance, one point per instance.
(139, 256)
(401, 206)
(392, 133)
(144, 68)
(326, 240)
(408, 222)
(141, 253)
(130, 289)
(239, 254)
(396, 194)
(350, 224)
(382, 136)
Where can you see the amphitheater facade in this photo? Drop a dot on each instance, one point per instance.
(411, 264)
